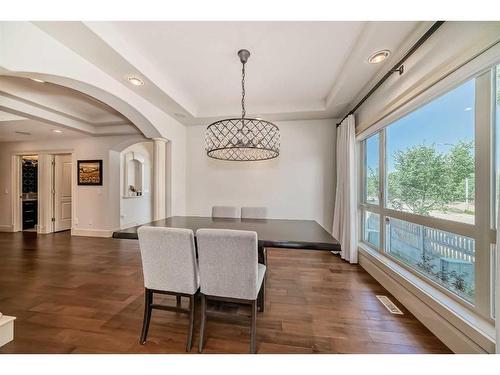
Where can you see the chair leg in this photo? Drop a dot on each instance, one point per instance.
(203, 321)
(148, 301)
(178, 298)
(191, 323)
(253, 333)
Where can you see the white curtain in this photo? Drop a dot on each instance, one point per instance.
(344, 214)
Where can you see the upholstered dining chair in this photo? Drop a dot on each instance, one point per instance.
(253, 212)
(229, 272)
(225, 212)
(170, 267)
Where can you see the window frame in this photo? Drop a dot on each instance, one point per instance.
(364, 193)
(363, 224)
(483, 230)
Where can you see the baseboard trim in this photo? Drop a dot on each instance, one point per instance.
(451, 333)
(91, 232)
(135, 224)
(6, 228)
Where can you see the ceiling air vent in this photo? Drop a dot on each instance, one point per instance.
(389, 305)
(23, 133)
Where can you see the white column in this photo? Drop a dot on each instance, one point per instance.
(159, 180)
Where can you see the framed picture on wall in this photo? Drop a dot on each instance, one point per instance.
(90, 172)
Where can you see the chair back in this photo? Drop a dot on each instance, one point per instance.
(169, 259)
(225, 212)
(253, 212)
(228, 263)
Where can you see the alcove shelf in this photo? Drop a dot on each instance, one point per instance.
(133, 184)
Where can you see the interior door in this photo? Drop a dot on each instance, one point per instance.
(62, 192)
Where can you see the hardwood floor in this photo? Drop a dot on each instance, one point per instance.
(85, 295)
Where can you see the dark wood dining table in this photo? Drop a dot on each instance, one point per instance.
(287, 234)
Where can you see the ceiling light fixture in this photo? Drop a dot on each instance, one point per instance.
(37, 80)
(379, 56)
(135, 81)
(242, 139)
(57, 131)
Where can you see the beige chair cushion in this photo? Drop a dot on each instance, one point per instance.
(228, 263)
(169, 259)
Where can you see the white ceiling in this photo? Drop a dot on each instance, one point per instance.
(62, 99)
(4, 116)
(37, 108)
(293, 65)
(297, 70)
(15, 128)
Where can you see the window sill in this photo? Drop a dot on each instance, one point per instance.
(476, 328)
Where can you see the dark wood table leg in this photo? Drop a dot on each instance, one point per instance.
(262, 296)
(262, 258)
(262, 255)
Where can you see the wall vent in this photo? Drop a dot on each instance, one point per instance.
(393, 309)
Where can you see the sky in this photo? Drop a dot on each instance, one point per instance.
(443, 122)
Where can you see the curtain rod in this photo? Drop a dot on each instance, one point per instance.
(396, 68)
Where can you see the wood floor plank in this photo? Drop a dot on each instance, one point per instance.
(85, 295)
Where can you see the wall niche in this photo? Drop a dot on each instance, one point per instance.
(134, 175)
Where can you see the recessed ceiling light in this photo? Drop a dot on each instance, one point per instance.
(135, 81)
(57, 131)
(379, 56)
(37, 80)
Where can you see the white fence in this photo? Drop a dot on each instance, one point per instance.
(433, 242)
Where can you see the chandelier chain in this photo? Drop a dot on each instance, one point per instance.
(243, 112)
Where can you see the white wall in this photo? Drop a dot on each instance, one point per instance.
(26, 48)
(137, 210)
(299, 184)
(96, 209)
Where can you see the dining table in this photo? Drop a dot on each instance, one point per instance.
(271, 233)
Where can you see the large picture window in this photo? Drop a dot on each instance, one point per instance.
(428, 196)
(430, 158)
